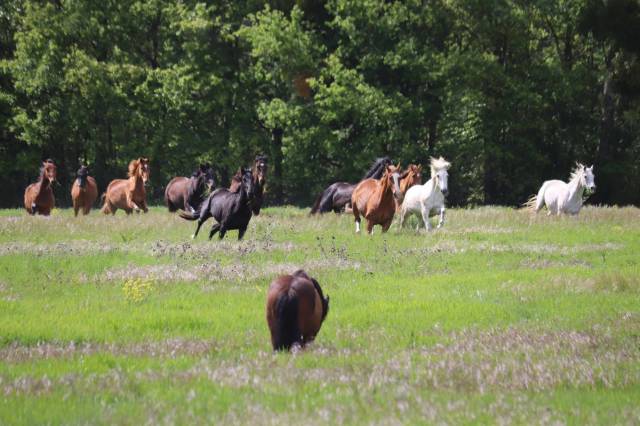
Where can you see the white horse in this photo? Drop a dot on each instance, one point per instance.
(561, 197)
(421, 200)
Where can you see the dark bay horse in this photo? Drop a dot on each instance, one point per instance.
(259, 173)
(338, 195)
(296, 308)
(374, 199)
(231, 210)
(84, 191)
(188, 193)
(38, 197)
(128, 194)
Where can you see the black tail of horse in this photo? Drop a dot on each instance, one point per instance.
(286, 322)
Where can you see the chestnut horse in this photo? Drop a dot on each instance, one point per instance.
(296, 308)
(374, 199)
(337, 196)
(38, 197)
(84, 191)
(259, 173)
(188, 193)
(412, 176)
(128, 194)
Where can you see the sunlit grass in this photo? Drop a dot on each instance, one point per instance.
(499, 316)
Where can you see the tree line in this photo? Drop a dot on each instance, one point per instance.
(511, 92)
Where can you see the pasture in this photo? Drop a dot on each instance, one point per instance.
(494, 318)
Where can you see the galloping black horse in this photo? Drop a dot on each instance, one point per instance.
(338, 195)
(232, 210)
(188, 193)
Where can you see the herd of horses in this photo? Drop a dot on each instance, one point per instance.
(383, 191)
(296, 305)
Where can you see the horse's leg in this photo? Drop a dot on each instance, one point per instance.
(145, 209)
(204, 215)
(387, 225)
(425, 218)
(356, 215)
(370, 226)
(441, 217)
(215, 228)
(241, 232)
(223, 232)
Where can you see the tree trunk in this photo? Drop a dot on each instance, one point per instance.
(607, 133)
(275, 184)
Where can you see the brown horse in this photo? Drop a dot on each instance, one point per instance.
(128, 194)
(84, 191)
(374, 199)
(188, 193)
(259, 173)
(411, 176)
(38, 197)
(296, 308)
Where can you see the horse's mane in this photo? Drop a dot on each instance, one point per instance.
(133, 166)
(577, 172)
(377, 169)
(261, 157)
(438, 164)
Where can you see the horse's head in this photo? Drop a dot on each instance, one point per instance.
(260, 169)
(391, 178)
(49, 170)
(589, 179)
(411, 176)
(209, 179)
(81, 176)
(439, 172)
(247, 182)
(142, 169)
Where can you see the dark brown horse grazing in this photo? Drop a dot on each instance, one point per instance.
(296, 308)
(337, 197)
(231, 210)
(128, 194)
(38, 197)
(411, 176)
(374, 199)
(84, 191)
(188, 193)
(259, 173)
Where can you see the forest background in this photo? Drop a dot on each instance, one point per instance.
(511, 92)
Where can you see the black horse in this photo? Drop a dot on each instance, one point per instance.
(232, 210)
(338, 195)
(188, 193)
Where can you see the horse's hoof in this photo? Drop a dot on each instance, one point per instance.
(193, 236)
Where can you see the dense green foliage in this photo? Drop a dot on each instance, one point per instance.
(511, 92)
(496, 318)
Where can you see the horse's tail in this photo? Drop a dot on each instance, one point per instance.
(188, 215)
(531, 203)
(106, 209)
(316, 204)
(534, 203)
(286, 320)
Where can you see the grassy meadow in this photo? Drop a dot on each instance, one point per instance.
(496, 318)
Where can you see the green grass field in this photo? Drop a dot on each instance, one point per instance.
(497, 318)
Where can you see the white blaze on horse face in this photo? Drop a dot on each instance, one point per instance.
(589, 178)
(443, 181)
(396, 186)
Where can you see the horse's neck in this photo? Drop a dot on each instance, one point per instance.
(432, 185)
(404, 183)
(136, 184)
(384, 190)
(44, 183)
(576, 191)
